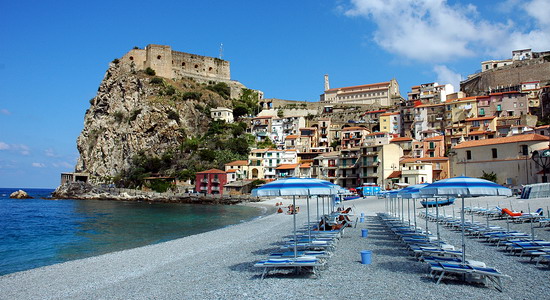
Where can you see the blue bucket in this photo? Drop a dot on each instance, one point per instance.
(364, 233)
(366, 257)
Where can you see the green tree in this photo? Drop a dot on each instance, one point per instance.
(150, 71)
(489, 176)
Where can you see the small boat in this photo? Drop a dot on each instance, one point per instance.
(442, 202)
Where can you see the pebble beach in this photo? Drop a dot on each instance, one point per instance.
(220, 264)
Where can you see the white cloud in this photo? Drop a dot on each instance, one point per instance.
(62, 164)
(434, 30)
(22, 149)
(50, 153)
(4, 111)
(446, 75)
(38, 165)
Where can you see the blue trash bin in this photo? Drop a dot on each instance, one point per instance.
(362, 214)
(361, 220)
(364, 233)
(366, 257)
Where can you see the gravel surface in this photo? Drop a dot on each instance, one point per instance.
(219, 265)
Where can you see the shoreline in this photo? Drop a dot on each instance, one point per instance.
(219, 265)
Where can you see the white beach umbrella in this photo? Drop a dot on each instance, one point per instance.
(463, 186)
(296, 187)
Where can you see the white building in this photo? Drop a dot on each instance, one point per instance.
(383, 93)
(222, 113)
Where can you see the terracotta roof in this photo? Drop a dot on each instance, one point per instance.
(237, 163)
(434, 138)
(358, 86)
(390, 114)
(503, 140)
(423, 159)
(480, 119)
(286, 166)
(231, 171)
(401, 139)
(375, 111)
(473, 98)
(354, 128)
(479, 132)
(394, 174)
(430, 105)
(212, 171)
(291, 137)
(542, 127)
(305, 166)
(263, 117)
(259, 150)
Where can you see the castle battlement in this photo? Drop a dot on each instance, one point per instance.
(174, 64)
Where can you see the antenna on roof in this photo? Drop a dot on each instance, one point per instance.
(221, 51)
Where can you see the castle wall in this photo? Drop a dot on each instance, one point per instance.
(511, 75)
(175, 64)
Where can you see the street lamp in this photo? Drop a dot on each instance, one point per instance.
(542, 159)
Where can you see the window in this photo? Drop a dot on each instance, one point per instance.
(468, 154)
(524, 150)
(482, 111)
(494, 152)
(158, 57)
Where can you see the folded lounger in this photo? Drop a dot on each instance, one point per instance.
(300, 263)
(470, 273)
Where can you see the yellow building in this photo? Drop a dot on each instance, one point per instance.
(508, 157)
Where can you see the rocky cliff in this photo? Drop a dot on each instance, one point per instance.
(135, 112)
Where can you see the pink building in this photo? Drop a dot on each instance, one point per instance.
(210, 181)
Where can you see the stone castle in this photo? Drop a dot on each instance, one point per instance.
(175, 65)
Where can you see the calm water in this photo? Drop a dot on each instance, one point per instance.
(38, 232)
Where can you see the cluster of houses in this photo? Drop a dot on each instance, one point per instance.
(370, 135)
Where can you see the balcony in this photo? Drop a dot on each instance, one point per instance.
(204, 180)
(203, 188)
(215, 188)
(370, 153)
(371, 164)
(215, 180)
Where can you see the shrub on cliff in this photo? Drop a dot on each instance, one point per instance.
(221, 88)
(150, 71)
(191, 96)
(157, 80)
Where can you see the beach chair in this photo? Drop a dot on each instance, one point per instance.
(298, 264)
(468, 273)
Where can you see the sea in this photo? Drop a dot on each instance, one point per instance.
(39, 232)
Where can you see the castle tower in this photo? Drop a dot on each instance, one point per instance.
(327, 85)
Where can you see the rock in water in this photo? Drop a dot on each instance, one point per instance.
(20, 194)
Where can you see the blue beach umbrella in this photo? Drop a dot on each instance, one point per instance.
(296, 187)
(413, 192)
(462, 187)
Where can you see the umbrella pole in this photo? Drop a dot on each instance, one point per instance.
(426, 217)
(487, 216)
(532, 229)
(409, 211)
(402, 210)
(437, 219)
(463, 240)
(308, 220)
(414, 208)
(318, 219)
(294, 217)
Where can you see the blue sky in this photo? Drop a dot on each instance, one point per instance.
(53, 54)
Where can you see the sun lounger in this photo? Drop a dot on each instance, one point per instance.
(299, 263)
(468, 272)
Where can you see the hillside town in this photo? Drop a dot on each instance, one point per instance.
(369, 135)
